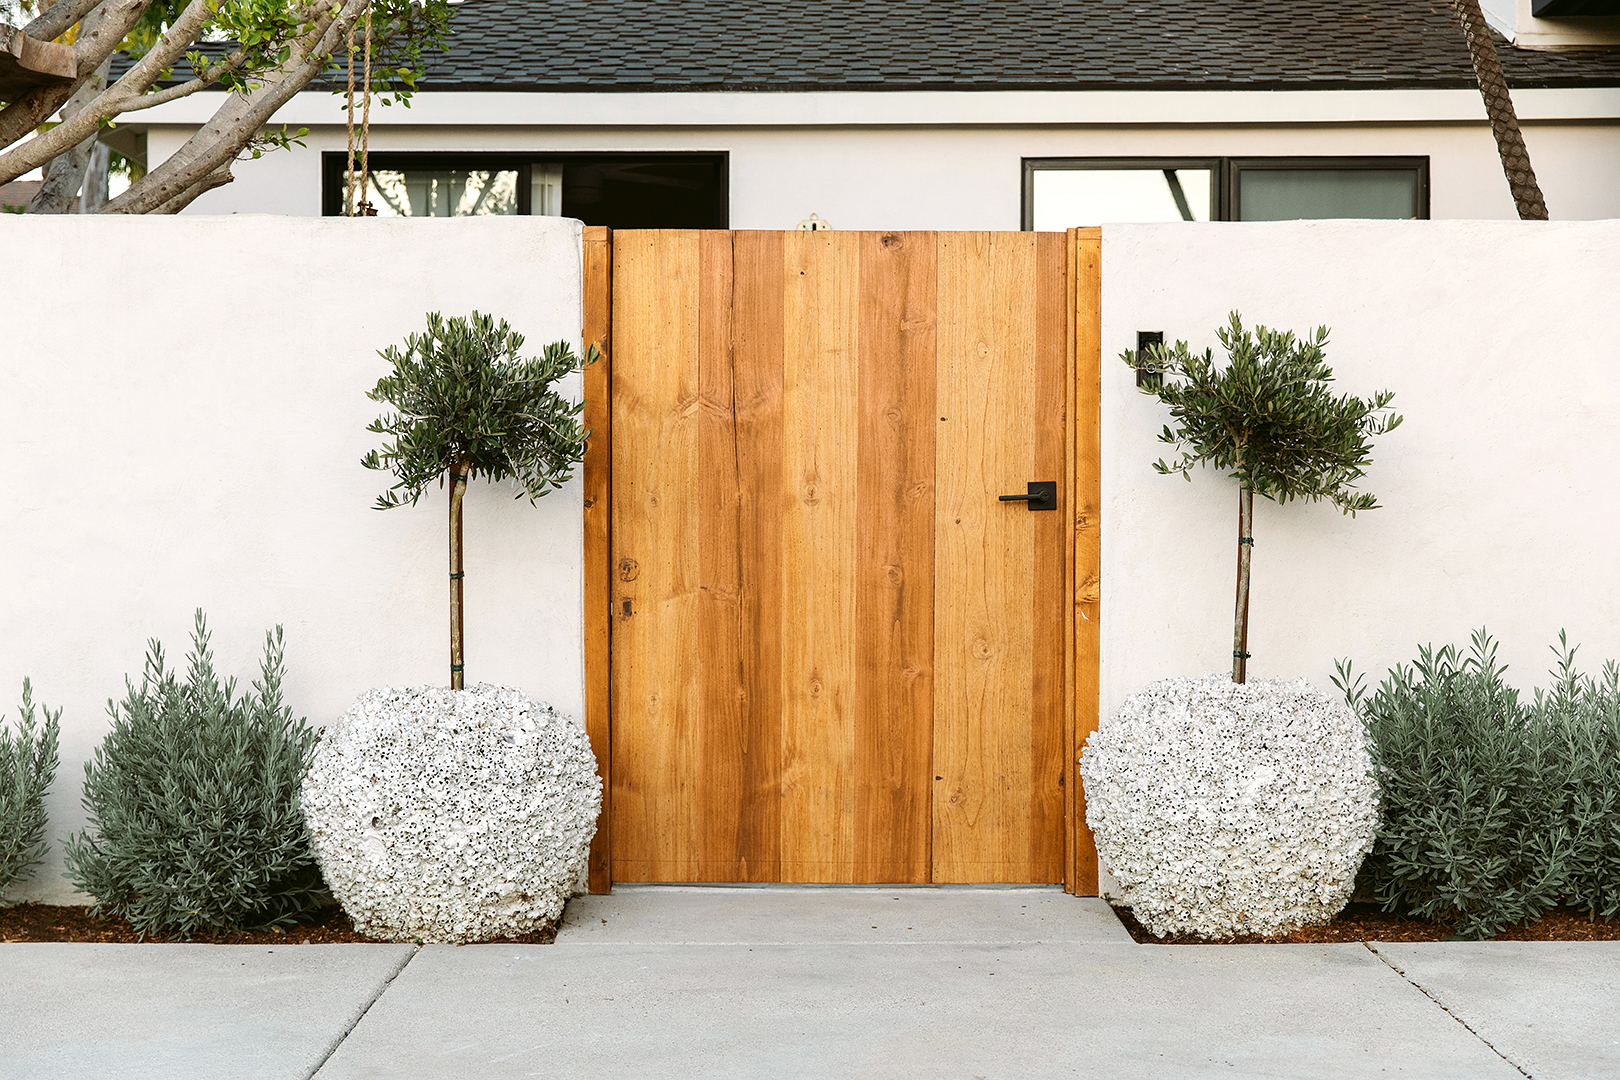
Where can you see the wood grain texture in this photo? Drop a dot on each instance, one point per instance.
(757, 353)
(819, 432)
(1087, 366)
(894, 587)
(657, 697)
(715, 736)
(1070, 752)
(597, 479)
(1049, 611)
(830, 606)
(988, 804)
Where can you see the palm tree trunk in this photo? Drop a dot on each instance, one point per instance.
(458, 488)
(1240, 621)
(1493, 88)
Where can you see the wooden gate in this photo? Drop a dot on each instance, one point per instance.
(821, 646)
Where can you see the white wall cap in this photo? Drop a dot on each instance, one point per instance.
(918, 108)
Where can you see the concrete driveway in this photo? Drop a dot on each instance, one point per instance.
(814, 982)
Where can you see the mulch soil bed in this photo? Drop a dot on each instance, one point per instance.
(1358, 922)
(1366, 922)
(51, 922)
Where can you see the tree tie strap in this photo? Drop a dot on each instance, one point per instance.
(1246, 540)
(458, 476)
(458, 574)
(1239, 655)
(458, 667)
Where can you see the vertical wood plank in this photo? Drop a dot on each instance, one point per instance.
(983, 556)
(894, 605)
(820, 428)
(1087, 595)
(656, 679)
(716, 740)
(1049, 610)
(598, 484)
(1071, 772)
(757, 353)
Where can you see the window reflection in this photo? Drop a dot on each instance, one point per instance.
(1289, 194)
(443, 192)
(1065, 198)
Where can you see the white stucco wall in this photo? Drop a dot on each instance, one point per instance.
(1501, 500)
(190, 437)
(953, 161)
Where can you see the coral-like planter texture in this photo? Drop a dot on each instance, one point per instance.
(451, 815)
(1226, 809)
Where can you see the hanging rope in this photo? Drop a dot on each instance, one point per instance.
(361, 206)
(365, 131)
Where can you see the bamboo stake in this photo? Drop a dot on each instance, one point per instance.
(1240, 629)
(458, 487)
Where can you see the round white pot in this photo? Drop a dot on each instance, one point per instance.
(452, 816)
(1225, 809)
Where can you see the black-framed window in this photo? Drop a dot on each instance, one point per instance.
(1063, 192)
(621, 190)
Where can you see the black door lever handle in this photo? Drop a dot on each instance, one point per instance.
(1042, 495)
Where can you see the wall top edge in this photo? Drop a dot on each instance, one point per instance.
(920, 108)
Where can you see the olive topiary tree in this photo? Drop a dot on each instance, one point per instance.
(467, 404)
(1269, 418)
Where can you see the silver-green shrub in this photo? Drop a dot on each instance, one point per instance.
(194, 802)
(1492, 810)
(1582, 715)
(27, 766)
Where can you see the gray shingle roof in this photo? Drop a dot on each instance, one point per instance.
(977, 45)
(629, 45)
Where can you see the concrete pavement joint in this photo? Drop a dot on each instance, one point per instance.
(1373, 948)
(344, 1034)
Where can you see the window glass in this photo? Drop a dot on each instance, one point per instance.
(443, 192)
(1288, 194)
(1066, 198)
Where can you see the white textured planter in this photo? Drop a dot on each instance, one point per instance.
(1223, 809)
(444, 815)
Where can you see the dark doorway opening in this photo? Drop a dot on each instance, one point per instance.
(619, 190)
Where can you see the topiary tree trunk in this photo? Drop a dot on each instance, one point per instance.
(468, 405)
(1269, 419)
(458, 488)
(1240, 628)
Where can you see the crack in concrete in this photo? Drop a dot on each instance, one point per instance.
(344, 1034)
(1373, 948)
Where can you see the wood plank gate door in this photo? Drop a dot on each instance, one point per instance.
(838, 653)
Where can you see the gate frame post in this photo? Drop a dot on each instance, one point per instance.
(1083, 561)
(598, 538)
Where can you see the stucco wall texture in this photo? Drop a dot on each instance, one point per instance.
(1500, 497)
(191, 437)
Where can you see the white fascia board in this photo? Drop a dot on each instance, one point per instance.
(918, 108)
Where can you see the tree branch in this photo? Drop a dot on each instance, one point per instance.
(218, 178)
(21, 117)
(239, 119)
(231, 64)
(55, 20)
(113, 101)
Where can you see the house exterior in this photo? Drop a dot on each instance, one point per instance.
(956, 115)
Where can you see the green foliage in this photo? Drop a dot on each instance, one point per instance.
(27, 766)
(194, 802)
(259, 33)
(1493, 810)
(1268, 417)
(465, 398)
